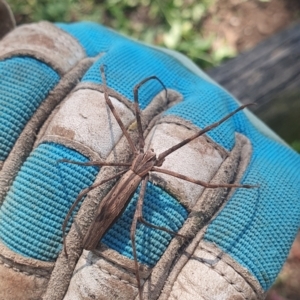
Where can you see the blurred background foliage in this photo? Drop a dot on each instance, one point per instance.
(175, 24)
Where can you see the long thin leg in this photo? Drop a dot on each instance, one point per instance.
(199, 182)
(95, 163)
(137, 214)
(137, 109)
(79, 197)
(199, 133)
(115, 113)
(142, 220)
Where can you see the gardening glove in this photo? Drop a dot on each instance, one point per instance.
(232, 242)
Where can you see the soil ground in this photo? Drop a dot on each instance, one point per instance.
(242, 24)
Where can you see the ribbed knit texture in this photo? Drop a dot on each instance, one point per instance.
(24, 84)
(35, 207)
(93, 38)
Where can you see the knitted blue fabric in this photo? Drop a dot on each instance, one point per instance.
(24, 84)
(93, 38)
(34, 209)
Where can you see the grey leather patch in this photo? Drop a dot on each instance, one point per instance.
(45, 42)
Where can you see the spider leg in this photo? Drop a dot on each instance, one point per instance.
(94, 163)
(199, 133)
(138, 111)
(115, 113)
(138, 217)
(138, 212)
(200, 182)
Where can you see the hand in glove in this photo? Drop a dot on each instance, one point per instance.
(53, 108)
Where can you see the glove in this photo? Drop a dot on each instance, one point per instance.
(232, 242)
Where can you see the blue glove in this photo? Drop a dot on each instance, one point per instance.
(53, 109)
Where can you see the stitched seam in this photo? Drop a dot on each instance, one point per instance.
(116, 277)
(227, 279)
(209, 141)
(194, 129)
(20, 271)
